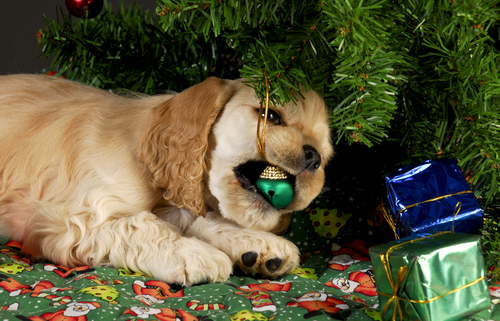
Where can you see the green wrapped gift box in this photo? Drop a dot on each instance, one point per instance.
(431, 277)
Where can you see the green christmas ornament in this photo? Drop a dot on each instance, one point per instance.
(274, 186)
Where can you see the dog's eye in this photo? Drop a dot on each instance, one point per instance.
(272, 116)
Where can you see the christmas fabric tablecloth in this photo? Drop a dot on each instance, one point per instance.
(334, 282)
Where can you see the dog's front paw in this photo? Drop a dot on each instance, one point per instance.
(196, 262)
(265, 254)
(255, 252)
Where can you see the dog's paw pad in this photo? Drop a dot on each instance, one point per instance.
(273, 264)
(263, 254)
(249, 259)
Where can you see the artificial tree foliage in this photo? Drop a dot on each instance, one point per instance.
(423, 73)
(420, 72)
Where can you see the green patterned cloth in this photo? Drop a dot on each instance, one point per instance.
(335, 281)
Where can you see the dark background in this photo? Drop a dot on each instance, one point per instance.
(19, 23)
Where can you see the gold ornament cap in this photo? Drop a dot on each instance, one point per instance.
(273, 172)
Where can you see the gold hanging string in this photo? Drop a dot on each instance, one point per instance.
(401, 275)
(261, 141)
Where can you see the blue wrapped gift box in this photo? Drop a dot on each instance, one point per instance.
(432, 196)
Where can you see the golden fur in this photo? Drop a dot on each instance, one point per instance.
(148, 184)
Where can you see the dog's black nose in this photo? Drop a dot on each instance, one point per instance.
(312, 158)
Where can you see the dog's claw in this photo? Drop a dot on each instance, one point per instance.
(249, 259)
(273, 264)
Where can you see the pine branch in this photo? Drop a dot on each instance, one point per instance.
(129, 50)
(368, 67)
(419, 72)
(281, 37)
(453, 91)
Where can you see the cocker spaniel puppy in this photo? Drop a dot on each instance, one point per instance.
(163, 185)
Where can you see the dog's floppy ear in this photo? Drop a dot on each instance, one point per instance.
(174, 144)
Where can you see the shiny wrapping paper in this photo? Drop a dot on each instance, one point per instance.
(410, 194)
(445, 264)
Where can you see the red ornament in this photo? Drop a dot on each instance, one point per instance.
(78, 8)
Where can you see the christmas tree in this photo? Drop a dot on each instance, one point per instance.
(419, 73)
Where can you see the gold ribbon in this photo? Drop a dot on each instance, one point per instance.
(261, 143)
(457, 209)
(393, 223)
(384, 258)
(430, 200)
(388, 219)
